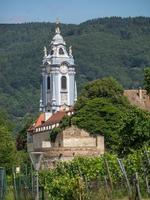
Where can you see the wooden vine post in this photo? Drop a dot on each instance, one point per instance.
(108, 173)
(126, 178)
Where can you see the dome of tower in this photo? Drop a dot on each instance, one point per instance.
(58, 39)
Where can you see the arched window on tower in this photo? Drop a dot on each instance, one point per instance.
(61, 52)
(63, 82)
(48, 83)
(52, 52)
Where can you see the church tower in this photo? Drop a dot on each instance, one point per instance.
(58, 87)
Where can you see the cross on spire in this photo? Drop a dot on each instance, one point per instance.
(57, 29)
(57, 21)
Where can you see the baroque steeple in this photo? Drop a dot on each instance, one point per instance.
(58, 87)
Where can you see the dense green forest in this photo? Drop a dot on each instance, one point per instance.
(114, 46)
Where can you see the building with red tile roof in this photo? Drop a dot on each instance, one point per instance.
(43, 124)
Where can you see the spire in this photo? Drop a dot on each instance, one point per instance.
(57, 39)
(57, 29)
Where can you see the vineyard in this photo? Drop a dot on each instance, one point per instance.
(104, 178)
(84, 178)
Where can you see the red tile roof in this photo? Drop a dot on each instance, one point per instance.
(53, 119)
(38, 122)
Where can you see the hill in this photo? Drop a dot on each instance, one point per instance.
(114, 46)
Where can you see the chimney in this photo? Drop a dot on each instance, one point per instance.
(47, 115)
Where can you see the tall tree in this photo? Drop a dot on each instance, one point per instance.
(7, 143)
(106, 88)
(147, 79)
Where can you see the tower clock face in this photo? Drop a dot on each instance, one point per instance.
(63, 69)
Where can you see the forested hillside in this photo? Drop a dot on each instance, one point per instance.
(114, 46)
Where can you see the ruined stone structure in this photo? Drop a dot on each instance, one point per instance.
(69, 143)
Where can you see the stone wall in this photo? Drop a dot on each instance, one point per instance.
(57, 152)
(39, 141)
(75, 137)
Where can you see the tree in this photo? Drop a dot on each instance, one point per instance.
(21, 138)
(102, 109)
(9, 156)
(7, 149)
(147, 79)
(136, 130)
(101, 116)
(105, 88)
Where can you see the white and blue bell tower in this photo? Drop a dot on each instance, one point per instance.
(58, 87)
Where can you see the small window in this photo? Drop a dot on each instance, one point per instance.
(60, 155)
(29, 138)
(48, 83)
(63, 82)
(61, 52)
(52, 52)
